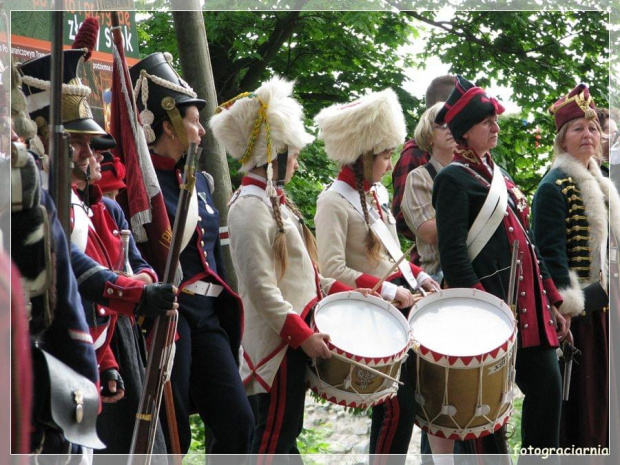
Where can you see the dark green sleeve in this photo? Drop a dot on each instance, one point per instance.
(451, 203)
(549, 212)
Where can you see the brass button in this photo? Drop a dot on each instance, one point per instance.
(511, 229)
(525, 326)
(78, 398)
(522, 293)
(524, 310)
(110, 291)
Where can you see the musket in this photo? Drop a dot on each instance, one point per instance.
(58, 148)
(515, 266)
(161, 353)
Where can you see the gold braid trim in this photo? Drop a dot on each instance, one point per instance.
(170, 106)
(580, 101)
(261, 119)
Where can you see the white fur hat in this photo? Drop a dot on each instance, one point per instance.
(234, 123)
(373, 123)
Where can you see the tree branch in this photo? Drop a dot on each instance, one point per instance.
(282, 31)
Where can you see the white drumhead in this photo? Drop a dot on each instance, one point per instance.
(461, 322)
(364, 326)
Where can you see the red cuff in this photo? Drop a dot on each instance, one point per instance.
(123, 295)
(416, 269)
(107, 360)
(295, 330)
(365, 280)
(479, 286)
(337, 286)
(552, 292)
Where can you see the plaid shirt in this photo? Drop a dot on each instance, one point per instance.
(410, 158)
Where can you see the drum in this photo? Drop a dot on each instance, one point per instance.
(369, 339)
(464, 342)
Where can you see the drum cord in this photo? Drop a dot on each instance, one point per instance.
(367, 399)
(445, 402)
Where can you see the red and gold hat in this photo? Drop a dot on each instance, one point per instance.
(577, 104)
(112, 173)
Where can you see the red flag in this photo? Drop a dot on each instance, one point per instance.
(144, 201)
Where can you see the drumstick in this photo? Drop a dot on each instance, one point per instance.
(394, 267)
(364, 367)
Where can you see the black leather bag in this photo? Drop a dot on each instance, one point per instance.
(65, 400)
(596, 298)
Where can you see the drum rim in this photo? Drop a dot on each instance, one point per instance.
(464, 361)
(472, 433)
(370, 361)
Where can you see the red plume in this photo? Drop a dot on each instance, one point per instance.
(119, 168)
(87, 36)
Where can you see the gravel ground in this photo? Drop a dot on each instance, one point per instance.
(344, 432)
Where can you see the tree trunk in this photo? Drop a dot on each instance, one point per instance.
(196, 65)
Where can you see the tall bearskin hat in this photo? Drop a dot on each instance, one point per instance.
(255, 126)
(371, 124)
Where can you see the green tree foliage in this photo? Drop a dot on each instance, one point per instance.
(337, 56)
(540, 55)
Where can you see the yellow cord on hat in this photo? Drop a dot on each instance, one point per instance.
(258, 122)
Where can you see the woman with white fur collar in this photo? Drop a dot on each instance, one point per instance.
(571, 211)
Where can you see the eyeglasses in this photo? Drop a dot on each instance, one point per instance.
(443, 126)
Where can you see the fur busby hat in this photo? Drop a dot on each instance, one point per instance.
(371, 124)
(255, 126)
(465, 107)
(77, 116)
(112, 173)
(159, 90)
(577, 104)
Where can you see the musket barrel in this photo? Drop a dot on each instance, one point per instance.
(60, 181)
(164, 329)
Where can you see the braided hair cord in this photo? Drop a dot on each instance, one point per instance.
(373, 244)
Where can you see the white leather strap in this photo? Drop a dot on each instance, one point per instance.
(490, 215)
(204, 288)
(378, 226)
(101, 339)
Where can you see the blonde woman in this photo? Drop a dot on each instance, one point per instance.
(417, 205)
(571, 224)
